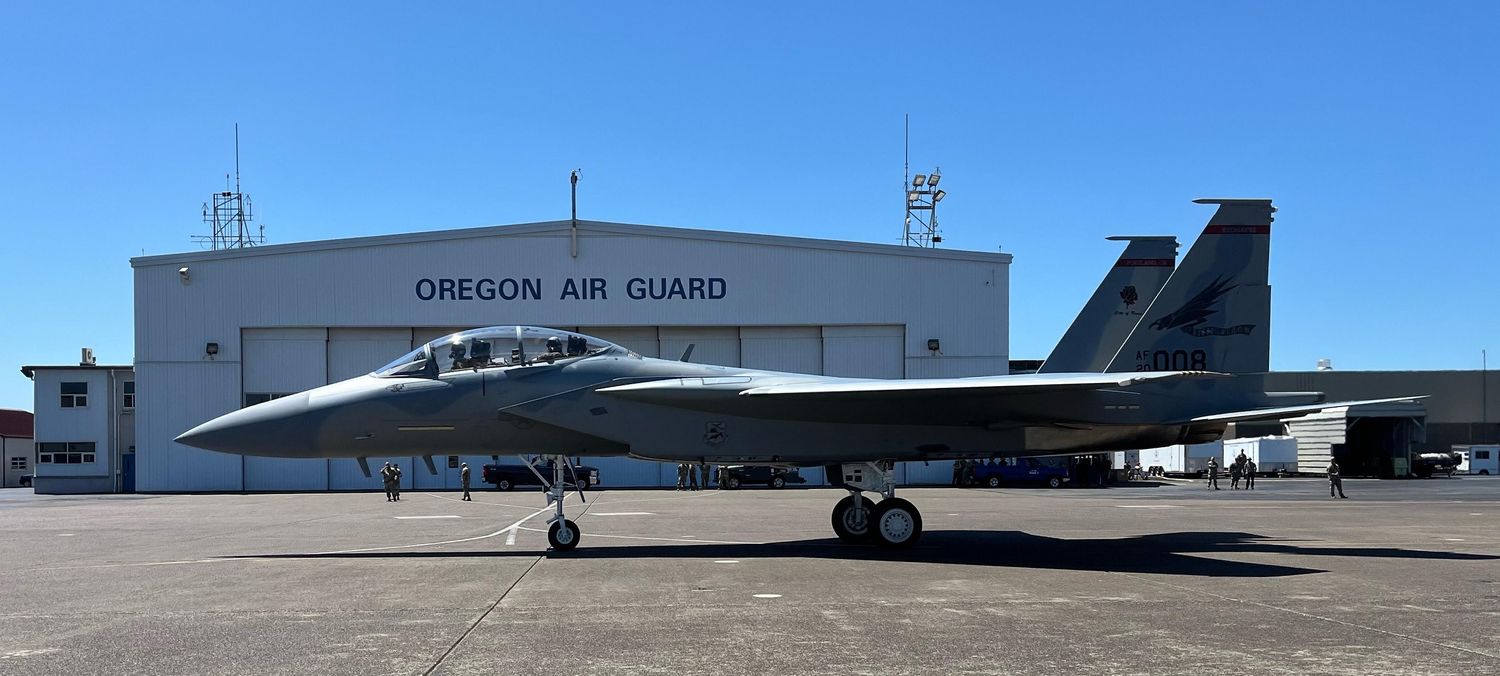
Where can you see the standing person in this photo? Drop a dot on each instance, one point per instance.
(396, 481)
(1249, 475)
(1213, 474)
(386, 477)
(1335, 481)
(958, 472)
(692, 476)
(968, 472)
(682, 470)
(703, 474)
(1235, 469)
(463, 480)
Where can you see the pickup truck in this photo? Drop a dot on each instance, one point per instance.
(1019, 470)
(734, 476)
(506, 477)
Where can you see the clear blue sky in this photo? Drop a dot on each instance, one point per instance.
(1373, 125)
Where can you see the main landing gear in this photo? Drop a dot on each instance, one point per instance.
(892, 522)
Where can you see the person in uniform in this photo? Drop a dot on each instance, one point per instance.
(554, 350)
(682, 470)
(386, 476)
(968, 472)
(1213, 474)
(703, 474)
(463, 479)
(692, 475)
(1249, 475)
(396, 482)
(1335, 481)
(1235, 469)
(958, 472)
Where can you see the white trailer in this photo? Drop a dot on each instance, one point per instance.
(1478, 459)
(1272, 455)
(1182, 459)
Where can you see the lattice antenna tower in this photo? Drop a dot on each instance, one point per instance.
(229, 213)
(922, 197)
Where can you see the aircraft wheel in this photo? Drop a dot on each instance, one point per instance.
(1054, 482)
(563, 535)
(896, 523)
(844, 523)
(504, 485)
(734, 482)
(994, 482)
(778, 482)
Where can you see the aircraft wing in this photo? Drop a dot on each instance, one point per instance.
(1293, 411)
(674, 390)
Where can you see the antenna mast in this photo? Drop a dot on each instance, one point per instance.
(229, 213)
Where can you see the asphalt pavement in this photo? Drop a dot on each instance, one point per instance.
(1161, 577)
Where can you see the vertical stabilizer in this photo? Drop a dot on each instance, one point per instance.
(1119, 303)
(1214, 314)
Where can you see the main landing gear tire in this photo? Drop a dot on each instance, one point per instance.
(844, 523)
(896, 523)
(563, 535)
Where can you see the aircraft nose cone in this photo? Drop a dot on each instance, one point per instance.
(272, 428)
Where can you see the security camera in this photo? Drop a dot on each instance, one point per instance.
(183, 273)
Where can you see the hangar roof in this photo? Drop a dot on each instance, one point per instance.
(562, 227)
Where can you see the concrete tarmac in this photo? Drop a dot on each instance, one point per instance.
(1401, 578)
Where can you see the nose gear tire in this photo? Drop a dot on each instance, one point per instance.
(563, 535)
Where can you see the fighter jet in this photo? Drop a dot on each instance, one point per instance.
(519, 390)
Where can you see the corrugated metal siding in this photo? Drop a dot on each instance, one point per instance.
(798, 349)
(172, 398)
(1316, 434)
(712, 344)
(864, 351)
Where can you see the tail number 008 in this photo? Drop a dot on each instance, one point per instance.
(1174, 360)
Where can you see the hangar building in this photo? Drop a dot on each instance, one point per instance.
(224, 329)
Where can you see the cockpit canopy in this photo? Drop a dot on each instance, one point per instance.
(497, 347)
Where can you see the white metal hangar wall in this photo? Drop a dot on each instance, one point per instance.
(217, 330)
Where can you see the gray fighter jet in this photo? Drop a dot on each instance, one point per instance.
(519, 390)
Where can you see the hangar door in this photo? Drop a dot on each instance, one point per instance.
(278, 362)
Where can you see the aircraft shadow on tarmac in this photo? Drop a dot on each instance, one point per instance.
(1164, 553)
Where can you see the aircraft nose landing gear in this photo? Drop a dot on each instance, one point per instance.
(892, 522)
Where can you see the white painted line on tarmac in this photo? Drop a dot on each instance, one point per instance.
(622, 513)
(434, 516)
(768, 596)
(727, 561)
(640, 537)
(1149, 506)
(65, 535)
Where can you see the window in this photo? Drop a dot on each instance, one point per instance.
(75, 395)
(129, 395)
(69, 453)
(18, 462)
(253, 398)
(1481, 455)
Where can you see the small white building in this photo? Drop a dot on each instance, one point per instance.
(17, 452)
(218, 330)
(85, 427)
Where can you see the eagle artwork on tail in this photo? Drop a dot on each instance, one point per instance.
(1198, 308)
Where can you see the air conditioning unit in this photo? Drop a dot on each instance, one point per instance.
(87, 359)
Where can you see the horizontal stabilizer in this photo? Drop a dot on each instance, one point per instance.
(1294, 411)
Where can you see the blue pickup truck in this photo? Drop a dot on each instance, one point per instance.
(1019, 470)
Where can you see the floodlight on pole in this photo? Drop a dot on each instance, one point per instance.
(932, 180)
(938, 196)
(918, 180)
(912, 195)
